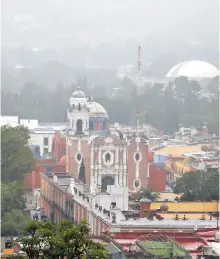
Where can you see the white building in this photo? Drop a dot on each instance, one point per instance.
(42, 137)
(41, 134)
(13, 121)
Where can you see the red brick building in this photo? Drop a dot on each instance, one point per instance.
(157, 178)
(59, 145)
(57, 202)
(32, 179)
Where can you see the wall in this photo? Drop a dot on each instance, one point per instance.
(32, 179)
(31, 124)
(143, 165)
(52, 193)
(38, 139)
(157, 179)
(118, 195)
(59, 145)
(73, 166)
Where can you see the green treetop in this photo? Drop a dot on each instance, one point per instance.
(16, 156)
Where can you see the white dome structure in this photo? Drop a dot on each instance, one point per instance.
(193, 69)
(86, 117)
(78, 96)
(97, 109)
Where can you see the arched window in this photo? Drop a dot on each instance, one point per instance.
(79, 129)
(137, 156)
(107, 158)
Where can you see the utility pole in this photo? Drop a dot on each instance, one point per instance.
(138, 90)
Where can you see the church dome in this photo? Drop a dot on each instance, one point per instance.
(193, 69)
(78, 94)
(97, 109)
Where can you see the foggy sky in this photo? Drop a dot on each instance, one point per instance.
(46, 23)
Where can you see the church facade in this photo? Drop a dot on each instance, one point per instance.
(95, 156)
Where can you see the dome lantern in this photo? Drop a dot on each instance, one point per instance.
(78, 96)
(78, 93)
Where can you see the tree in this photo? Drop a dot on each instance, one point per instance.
(164, 107)
(17, 158)
(12, 205)
(64, 240)
(14, 223)
(198, 186)
(11, 198)
(82, 174)
(146, 193)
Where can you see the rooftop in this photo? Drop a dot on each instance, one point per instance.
(177, 151)
(103, 209)
(186, 240)
(164, 249)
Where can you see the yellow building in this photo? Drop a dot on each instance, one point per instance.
(187, 207)
(177, 151)
(175, 164)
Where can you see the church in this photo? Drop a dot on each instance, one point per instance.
(97, 157)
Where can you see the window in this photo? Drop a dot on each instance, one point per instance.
(107, 158)
(78, 157)
(45, 150)
(137, 183)
(79, 127)
(137, 157)
(46, 141)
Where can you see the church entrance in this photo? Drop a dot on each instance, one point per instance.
(79, 127)
(107, 180)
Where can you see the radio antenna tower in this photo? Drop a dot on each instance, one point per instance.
(138, 90)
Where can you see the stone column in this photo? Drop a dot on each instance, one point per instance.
(121, 173)
(96, 174)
